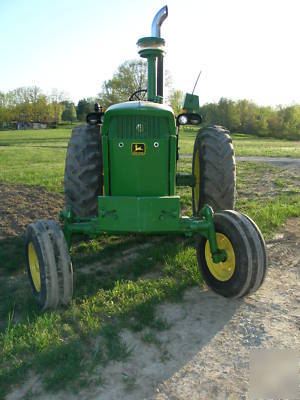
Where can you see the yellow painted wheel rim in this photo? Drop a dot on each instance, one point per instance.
(222, 271)
(197, 180)
(34, 267)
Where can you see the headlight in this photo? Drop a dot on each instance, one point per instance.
(189, 119)
(182, 120)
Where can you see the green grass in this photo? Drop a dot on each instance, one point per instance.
(268, 201)
(34, 157)
(60, 343)
(38, 157)
(271, 214)
(246, 145)
(118, 284)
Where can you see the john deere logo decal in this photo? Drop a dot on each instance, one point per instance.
(138, 149)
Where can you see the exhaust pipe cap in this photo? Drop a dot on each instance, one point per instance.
(158, 20)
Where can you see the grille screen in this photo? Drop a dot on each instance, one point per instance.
(138, 127)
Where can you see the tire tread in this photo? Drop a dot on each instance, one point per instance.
(83, 170)
(217, 169)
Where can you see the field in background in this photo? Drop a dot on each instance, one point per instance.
(34, 157)
(37, 157)
(119, 280)
(246, 145)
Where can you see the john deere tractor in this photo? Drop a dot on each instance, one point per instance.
(120, 178)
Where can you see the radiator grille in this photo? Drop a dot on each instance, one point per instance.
(138, 127)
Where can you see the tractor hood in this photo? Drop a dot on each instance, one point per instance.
(136, 107)
(139, 108)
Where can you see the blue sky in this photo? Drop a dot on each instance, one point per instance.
(245, 48)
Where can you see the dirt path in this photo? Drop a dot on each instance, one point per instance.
(20, 205)
(205, 353)
(279, 161)
(207, 348)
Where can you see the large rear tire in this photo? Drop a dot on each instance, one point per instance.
(84, 170)
(214, 170)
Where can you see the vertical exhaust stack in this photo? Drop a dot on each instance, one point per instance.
(155, 32)
(152, 48)
(158, 20)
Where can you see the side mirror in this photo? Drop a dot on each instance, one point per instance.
(188, 119)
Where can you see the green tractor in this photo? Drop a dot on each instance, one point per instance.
(120, 178)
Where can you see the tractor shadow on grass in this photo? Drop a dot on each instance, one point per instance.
(12, 255)
(134, 362)
(124, 350)
(153, 340)
(15, 295)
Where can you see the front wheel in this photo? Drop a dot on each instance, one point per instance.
(49, 265)
(244, 269)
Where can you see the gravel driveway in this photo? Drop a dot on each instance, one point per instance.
(287, 162)
(279, 161)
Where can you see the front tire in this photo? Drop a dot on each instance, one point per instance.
(49, 266)
(243, 271)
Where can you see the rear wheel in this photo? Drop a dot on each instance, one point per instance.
(213, 169)
(243, 270)
(49, 265)
(84, 170)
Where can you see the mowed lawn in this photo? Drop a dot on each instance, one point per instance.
(34, 157)
(246, 145)
(37, 157)
(119, 280)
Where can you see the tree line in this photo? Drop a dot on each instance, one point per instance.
(247, 117)
(30, 104)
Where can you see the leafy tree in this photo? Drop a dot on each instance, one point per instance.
(228, 114)
(289, 119)
(41, 109)
(129, 77)
(55, 112)
(56, 106)
(175, 100)
(69, 113)
(247, 117)
(84, 107)
(4, 112)
(30, 104)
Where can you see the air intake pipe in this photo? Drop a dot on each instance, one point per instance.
(155, 32)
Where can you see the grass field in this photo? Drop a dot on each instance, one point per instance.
(37, 157)
(246, 145)
(119, 280)
(34, 157)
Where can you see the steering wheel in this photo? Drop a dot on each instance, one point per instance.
(138, 95)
